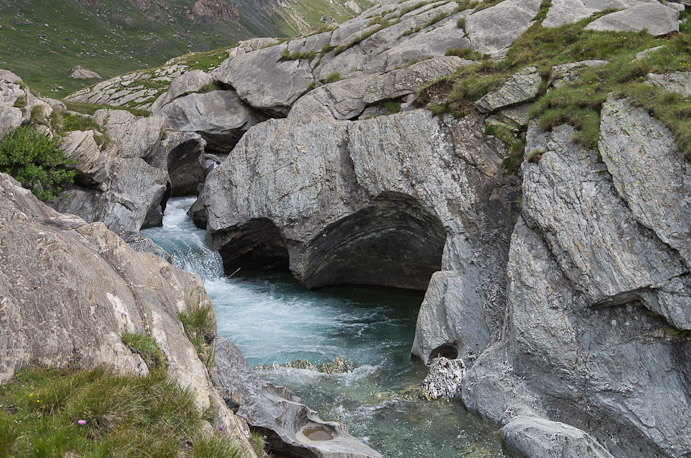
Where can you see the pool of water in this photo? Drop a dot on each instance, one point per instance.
(274, 320)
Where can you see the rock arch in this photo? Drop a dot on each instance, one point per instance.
(393, 242)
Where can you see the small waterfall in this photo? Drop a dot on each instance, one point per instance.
(181, 238)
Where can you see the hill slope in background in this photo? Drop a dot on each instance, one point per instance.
(43, 41)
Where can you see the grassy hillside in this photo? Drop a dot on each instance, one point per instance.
(42, 40)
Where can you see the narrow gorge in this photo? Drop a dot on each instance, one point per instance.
(453, 228)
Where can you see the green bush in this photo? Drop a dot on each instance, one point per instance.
(36, 162)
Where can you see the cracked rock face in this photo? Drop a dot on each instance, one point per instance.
(124, 183)
(591, 287)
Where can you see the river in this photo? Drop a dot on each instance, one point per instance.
(274, 320)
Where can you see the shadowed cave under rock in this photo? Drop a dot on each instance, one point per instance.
(393, 242)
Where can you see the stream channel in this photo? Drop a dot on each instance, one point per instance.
(274, 320)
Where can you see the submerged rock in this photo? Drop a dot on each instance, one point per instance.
(290, 427)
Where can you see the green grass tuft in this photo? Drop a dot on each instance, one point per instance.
(466, 53)
(391, 106)
(91, 108)
(579, 102)
(332, 77)
(297, 55)
(199, 323)
(147, 348)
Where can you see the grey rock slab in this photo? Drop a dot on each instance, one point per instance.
(329, 197)
(605, 251)
(348, 98)
(186, 162)
(184, 84)
(91, 163)
(644, 53)
(81, 73)
(10, 119)
(494, 29)
(219, 116)
(540, 438)
(450, 320)
(7, 76)
(649, 172)
(570, 11)
(587, 365)
(424, 45)
(656, 18)
(264, 81)
(134, 136)
(679, 82)
(143, 244)
(519, 88)
(493, 389)
(67, 285)
(287, 424)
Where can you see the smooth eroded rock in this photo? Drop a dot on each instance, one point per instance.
(539, 438)
(655, 18)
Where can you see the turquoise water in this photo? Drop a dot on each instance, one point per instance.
(274, 320)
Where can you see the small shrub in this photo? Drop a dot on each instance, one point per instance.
(333, 77)
(311, 86)
(461, 22)
(147, 348)
(36, 162)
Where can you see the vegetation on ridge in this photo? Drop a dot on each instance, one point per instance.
(43, 41)
(577, 102)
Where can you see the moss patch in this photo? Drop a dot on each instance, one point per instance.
(578, 102)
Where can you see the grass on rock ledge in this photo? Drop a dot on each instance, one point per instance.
(71, 412)
(579, 102)
(49, 412)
